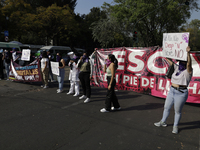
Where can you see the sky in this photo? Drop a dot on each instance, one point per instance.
(84, 6)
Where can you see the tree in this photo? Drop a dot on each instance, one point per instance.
(194, 28)
(47, 3)
(168, 18)
(53, 22)
(15, 10)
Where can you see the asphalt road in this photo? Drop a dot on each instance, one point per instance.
(33, 118)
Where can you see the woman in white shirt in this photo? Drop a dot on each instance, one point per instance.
(73, 77)
(45, 69)
(178, 93)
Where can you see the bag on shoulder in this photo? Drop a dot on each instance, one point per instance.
(170, 71)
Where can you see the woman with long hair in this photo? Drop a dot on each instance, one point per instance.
(110, 68)
(61, 76)
(178, 93)
(45, 69)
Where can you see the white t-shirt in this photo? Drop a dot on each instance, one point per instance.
(183, 78)
(43, 60)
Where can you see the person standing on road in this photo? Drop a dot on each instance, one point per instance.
(51, 58)
(7, 60)
(73, 77)
(1, 65)
(178, 93)
(85, 75)
(110, 67)
(45, 69)
(61, 76)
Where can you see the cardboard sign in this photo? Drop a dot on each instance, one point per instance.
(54, 67)
(175, 44)
(26, 54)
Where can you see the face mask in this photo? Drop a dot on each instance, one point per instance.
(181, 67)
(85, 59)
(84, 56)
(108, 62)
(58, 58)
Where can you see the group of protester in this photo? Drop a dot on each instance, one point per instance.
(81, 70)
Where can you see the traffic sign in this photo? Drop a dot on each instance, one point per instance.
(6, 38)
(6, 33)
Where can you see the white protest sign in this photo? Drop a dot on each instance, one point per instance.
(175, 44)
(26, 54)
(54, 67)
(14, 56)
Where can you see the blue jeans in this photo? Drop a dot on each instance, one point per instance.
(7, 68)
(61, 78)
(178, 99)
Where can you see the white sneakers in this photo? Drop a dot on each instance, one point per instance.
(160, 124)
(76, 95)
(87, 100)
(83, 97)
(113, 108)
(175, 130)
(69, 93)
(44, 86)
(59, 91)
(103, 110)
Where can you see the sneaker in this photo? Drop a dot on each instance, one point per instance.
(175, 130)
(69, 93)
(87, 100)
(53, 80)
(59, 91)
(42, 86)
(103, 110)
(82, 97)
(113, 108)
(160, 124)
(45, 86)
(76, 95)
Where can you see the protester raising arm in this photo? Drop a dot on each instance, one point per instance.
(189, 62)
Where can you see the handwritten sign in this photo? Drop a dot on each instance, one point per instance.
(26, 54)
(54, 67)
(175, 44)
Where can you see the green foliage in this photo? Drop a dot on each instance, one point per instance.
(194, 29)
(47, 3)
(150, 18)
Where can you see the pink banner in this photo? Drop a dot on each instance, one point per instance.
(29, 73)
(143, 70)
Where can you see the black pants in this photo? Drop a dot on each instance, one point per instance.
(85, 82)
(111, 96)
(1, 69)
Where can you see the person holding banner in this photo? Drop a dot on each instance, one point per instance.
(61, 75)
(85, 75)
(73, 77)
(110, 68)
(178, 93)
(1, 65)
(45, 69)
(51, 58)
